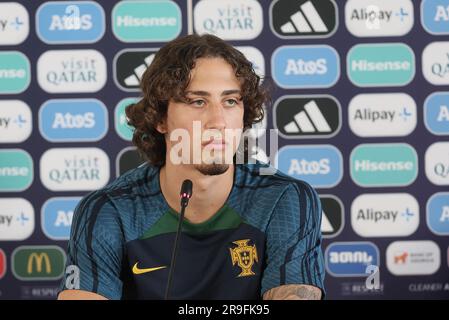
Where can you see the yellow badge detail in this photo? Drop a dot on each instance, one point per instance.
(136, 270)
(244, 256)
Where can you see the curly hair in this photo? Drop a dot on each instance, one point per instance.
(168, 77)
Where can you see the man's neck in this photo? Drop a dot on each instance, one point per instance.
(209, 192)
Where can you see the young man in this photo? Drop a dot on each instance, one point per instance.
(245, 235)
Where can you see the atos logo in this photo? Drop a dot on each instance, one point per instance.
(438, 213)
(56, 217)
(305, 66)
(350, 259)
(70, 22)
(319, 165)
(436, 113)
(72, 120)
(435, 16)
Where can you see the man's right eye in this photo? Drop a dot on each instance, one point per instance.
(197, 103)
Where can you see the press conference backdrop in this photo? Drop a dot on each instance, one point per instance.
(360, 99)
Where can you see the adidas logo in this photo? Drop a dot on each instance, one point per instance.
(129, 66)
(317, 116)
(325, 224)
(309, 120)
(134, 79)
(332, 216)
(306, 21)
(305, 18)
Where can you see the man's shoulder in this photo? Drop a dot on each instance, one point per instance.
(138, 181)
(260, 175)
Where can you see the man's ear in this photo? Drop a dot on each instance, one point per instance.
(162, 126)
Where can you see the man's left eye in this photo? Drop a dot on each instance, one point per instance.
(231, 102)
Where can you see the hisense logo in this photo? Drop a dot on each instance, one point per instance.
(383, 64)
(146, 21)
(15, 72)
(12, 73)
(131, 21)
(369, 165)
(374, 165)
(366, 65)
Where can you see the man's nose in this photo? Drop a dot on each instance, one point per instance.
(215, 117)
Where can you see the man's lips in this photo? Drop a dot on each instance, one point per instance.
(215, 144)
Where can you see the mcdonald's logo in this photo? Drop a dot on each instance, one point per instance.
(39, 258)
(38, 262)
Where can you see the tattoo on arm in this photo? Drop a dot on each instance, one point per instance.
(293, 292)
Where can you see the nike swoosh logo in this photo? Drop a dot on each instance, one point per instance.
(137, 270)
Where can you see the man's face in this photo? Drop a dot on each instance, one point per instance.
(212, 116)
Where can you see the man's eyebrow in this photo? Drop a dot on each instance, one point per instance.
(207, 94)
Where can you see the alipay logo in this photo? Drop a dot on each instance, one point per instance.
(435, 63)
(350, 259)
(68, 71)
(16, 219)
(15, 72)
(56, 217)
(385, 215)
(74, 169)
(73, 120)
(14, 23)
(229, 19)
(382, 115)
(435, 16)
(438, 213)
(437, 163)
(319, 165)
(70, 22)
(436, 113)
(305, 66)
(303, 18)
(384, 165)
(16, 170)
(378, 18)
(15, 121)
(382, 64)
(146, 21)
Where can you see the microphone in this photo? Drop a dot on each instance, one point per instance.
(185, 194)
